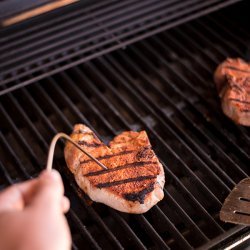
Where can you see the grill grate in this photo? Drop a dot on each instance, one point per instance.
(157, 85)
(79, 33)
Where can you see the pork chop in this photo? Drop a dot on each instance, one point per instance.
(232, 79)
(134, 180)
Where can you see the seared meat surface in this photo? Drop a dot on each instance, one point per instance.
(232, 79)
(135, 178)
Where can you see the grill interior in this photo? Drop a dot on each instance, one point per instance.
(164, 85)
(83, 31)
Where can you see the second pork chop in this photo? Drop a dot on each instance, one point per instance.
(232, 79)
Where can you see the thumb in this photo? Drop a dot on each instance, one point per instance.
(49, 192)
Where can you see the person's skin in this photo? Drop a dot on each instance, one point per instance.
(32, 215)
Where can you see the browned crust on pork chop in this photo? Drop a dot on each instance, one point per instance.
(133, 168)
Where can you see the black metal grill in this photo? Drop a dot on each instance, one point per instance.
(80, 33)
(164, 85)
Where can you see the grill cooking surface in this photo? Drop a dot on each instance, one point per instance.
(163, 85)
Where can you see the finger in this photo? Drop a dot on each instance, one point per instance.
(65, 205)
(49, 192)
(13, 198)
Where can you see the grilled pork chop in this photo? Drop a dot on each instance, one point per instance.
(232, 79)
(135, 178)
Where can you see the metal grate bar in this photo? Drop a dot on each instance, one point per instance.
(183, 95)
(103, 77)
(101, 97)
(234, 164)
(233, 38)
(98, 220)
(157, 85)
(78, 223)
(20, 137)
(123, 223)
(5, 173)
(57, 20)
(74, 247)
(164, 143)
(14, 156)
(69, 23)
(27, 82)
(94, 214)
(109, 235)
(84, 231)
(224, 42)
(86, 100)
(150, 48)
(172, 41)
(183, 242)
(189, 84)
(27, 120)
(217, 37)
(39, 111)
(160, 242)
(77, 90)
(197, 46)
(70, 104)
(104, 80)
(225, 20)
(185, 217)
(169, 121)
(85, 21)
(180, 187)
(171, 227)
(140, 90)
(200, 49)
(227, 136)
(151, 232)
(163, 114)
(53, 106)
(69, 44)
(56, 110)
(221, 51)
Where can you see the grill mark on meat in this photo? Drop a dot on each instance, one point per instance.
(90, 145)
(108, 156)
(236, 87)
(128, 165)
(145, 153)
(116, 183)
(139, 196)
(240, 101)
(237, 69)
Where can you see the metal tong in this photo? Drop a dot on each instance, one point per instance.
(52, 150)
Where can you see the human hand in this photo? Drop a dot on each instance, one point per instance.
(32, 215)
